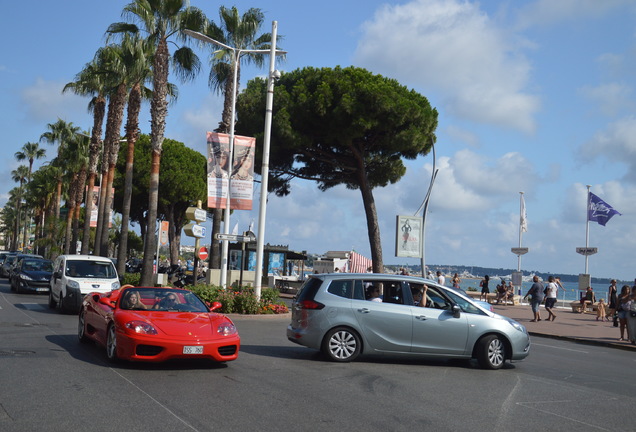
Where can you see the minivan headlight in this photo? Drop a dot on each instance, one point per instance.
(72, 284)
(517, 326)
(115, 285)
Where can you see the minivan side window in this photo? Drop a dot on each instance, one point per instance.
(341, 288)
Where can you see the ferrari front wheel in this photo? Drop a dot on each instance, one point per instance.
(81, 328)
(111, 344)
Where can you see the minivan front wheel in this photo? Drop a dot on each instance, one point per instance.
(341, 344)
(491, 352)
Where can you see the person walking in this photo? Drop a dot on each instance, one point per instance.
(612, 298)
(600, 310)
(441, 279)
(456, 280)
(623, 310)
(551, 298)
(536, 297)
(631, 317)
(484, 288)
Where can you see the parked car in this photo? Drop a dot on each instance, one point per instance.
(74, 276)
(334, 313)
(157, 324)
(6, 261)
(11, 260)
(31, 274)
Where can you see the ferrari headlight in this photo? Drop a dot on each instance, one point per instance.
(226, 329)
(141, 327)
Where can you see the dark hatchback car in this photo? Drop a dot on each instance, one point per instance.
(31, 275)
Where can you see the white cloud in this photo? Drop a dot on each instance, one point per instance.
(454, 48)
(617, 144)
(611, 98)
(45, 102)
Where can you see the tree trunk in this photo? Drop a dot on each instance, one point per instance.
(158, 113)
(132, 134)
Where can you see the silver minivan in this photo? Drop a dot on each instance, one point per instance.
(345, 315)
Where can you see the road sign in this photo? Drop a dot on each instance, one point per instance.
(196, 214)
(194, 230)
(519, 251)
(235, 238)
(586, 250)
(202, 253)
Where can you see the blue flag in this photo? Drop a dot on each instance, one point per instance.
(598, 210)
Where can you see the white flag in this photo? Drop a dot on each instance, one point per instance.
(235, 229)
(524, 216)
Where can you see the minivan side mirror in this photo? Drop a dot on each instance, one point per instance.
(456, 311)
(57, 275)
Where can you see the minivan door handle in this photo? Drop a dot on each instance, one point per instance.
(364, 310)
(421, 317)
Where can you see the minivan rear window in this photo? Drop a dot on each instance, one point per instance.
(309, 289)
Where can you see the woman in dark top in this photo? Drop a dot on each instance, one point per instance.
(612, 297)
(484, 288)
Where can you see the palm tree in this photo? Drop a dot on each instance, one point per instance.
(41, 196)
(91, 81)
(139, 53)
(61, 133)
(18, 175)
(240, 32)
(159, 20)
(30, 151)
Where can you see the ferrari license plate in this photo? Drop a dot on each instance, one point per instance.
(197, 349)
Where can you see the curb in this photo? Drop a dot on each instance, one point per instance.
(586, 341)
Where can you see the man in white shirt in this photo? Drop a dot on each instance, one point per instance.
(440, 278)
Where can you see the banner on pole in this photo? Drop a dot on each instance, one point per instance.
(408, 237)
(239, 172)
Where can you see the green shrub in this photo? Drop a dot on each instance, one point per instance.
(130, 279)
(241, 300)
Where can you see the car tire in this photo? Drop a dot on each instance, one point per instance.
(81, 327)
(341, 344)
(491, 352)
(111, 344)
(52, 303)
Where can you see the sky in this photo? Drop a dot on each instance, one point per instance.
(533, 96)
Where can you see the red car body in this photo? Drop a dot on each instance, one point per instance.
(153, 331)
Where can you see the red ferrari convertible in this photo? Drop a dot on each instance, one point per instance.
(157, 324)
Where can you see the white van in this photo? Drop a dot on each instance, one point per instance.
(74, 276)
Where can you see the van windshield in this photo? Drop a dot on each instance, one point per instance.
(91, 269)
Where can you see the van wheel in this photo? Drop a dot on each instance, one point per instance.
(491, 352)
(341, 344)
(52, 302)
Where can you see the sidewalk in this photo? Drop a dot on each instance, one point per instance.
(582, 328)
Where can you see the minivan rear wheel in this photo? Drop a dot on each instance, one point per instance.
(491, 352)
(341, 344)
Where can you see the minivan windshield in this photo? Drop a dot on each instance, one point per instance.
(90, 269)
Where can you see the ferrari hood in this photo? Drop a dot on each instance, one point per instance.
(186, 324)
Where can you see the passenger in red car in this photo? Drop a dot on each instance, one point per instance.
(133, 301)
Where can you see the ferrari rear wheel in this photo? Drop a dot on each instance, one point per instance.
(81, 328)
(111, 344)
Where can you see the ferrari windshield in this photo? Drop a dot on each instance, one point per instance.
(161, 299)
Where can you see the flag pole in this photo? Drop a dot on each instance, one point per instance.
(587, 227)
(521, 209)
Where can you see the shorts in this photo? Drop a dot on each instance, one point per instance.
(550, 302)
(535, 305)
(623, 314)
(485, 291)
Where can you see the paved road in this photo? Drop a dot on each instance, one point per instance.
(49, 382)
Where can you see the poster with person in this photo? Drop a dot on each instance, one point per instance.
(239, 172)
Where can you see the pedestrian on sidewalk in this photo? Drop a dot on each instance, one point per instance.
(623, 311)
(536, 297)
(631, 317)
(551, 297)
(612, 298)
(484, 288)
(600, 310)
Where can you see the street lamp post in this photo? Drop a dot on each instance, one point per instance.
(258, 277)
(236, 58)
(424, 209)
